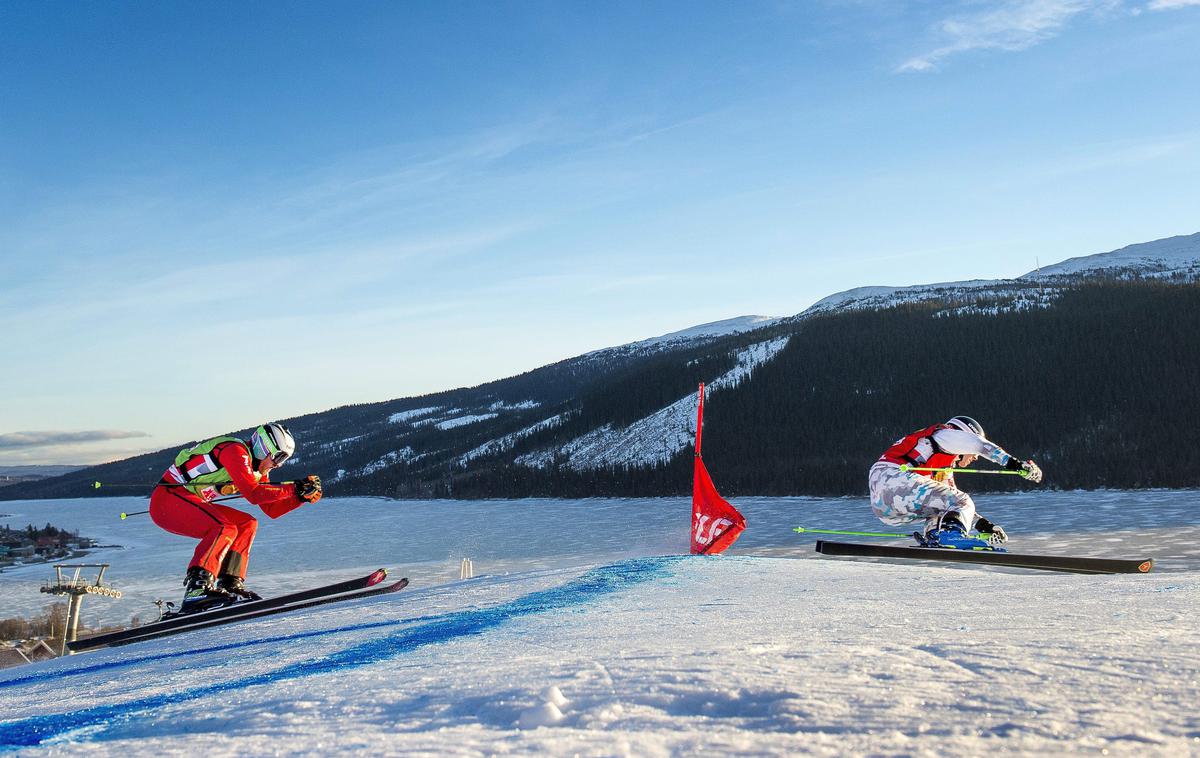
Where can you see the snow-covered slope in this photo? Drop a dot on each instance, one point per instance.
(407, 446)
(889, 297)
(1161, 257)
(1171, 257)
(660, 435)
(657, 655)
(657, 438)
(714, 329)
(694, 335)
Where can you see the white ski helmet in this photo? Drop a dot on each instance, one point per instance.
(967, 424)
(272, 441)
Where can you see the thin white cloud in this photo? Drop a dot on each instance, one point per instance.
(1171, 5)
(24, 440)
(1011, 26)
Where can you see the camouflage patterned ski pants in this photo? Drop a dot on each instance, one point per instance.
(901, 497)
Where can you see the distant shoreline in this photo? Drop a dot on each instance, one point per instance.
(59, 559)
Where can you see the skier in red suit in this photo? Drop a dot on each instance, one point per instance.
(182, 504)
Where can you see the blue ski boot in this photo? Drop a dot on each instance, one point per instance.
(949, 532)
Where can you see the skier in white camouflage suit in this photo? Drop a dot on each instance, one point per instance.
(901, 497)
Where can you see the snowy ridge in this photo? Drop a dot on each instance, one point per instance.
(712, 329)
(874, 298)
(692, 335)
(493, 447)
(1174, 257)
(1165, 256)
(655, 439)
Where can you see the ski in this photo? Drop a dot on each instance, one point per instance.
(234, 609)
(385, 589)
(1015, 560)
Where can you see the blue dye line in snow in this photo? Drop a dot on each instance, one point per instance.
(587, 588)
(58, 676)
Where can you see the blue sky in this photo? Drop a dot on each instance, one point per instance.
(215, 214)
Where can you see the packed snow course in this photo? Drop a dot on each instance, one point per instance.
(582, 635)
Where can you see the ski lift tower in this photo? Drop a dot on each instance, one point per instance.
(75, 588)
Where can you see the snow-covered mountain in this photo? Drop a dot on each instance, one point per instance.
(1015, 293)
(1178, 256)
(711, 330)
(587, 425)
(1170, 258)
(682, 339)
(655, 439)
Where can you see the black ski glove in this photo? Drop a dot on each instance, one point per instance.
(308, 489)
(996, 535)
(1028, 469)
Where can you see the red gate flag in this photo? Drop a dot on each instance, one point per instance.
(715, 523)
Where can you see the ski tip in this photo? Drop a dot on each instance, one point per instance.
(377, 577)
(799, 529)
(1145, 566)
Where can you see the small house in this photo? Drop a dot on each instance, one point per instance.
(11, 656)
(40, 652)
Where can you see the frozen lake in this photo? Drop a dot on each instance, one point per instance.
(426, 539)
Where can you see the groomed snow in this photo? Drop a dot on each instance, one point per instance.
(582, 635)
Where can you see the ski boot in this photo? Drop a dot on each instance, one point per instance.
(201, 593)
(949, 532)
(235, 585)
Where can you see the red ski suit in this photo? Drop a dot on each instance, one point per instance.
(225, 533)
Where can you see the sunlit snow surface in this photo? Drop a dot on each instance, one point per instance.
(582, 635)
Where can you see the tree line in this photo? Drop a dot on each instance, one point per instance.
(1100, 389)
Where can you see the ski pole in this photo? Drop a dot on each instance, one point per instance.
(214, 500)
(98, 485)
(906, 467)
(806, 530)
